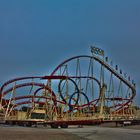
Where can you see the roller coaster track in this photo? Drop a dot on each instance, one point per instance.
(108, 68)
(50, 97)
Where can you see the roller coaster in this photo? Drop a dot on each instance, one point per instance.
(81, 90)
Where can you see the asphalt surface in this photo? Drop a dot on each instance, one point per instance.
(105, 133)
(71, 133)
(24, 133)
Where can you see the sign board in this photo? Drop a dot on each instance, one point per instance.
(97, 51)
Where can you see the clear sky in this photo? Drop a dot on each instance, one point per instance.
(36, 35)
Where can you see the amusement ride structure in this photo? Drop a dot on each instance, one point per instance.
(81, 90)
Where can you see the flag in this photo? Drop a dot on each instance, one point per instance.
(133, 82)
(106, 59)
(111, 63)
(120, 71)
(97, 51)
(129, 78)
(116, 67)
(125, 75)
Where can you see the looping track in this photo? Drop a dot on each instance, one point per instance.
(80, 86)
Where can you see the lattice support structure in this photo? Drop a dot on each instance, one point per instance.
(80, 88)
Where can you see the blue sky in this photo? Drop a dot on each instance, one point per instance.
(36, 35)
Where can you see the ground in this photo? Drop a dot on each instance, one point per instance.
(72, 133)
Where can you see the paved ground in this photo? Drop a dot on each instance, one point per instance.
(72, 133)
(105, 133)
(23, 133)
